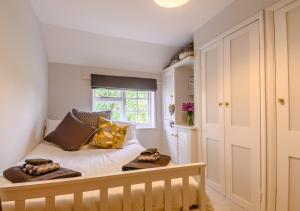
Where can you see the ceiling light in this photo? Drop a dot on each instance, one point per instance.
(170, 3)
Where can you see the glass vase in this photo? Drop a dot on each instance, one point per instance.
(190, 118)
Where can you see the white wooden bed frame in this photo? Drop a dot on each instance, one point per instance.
(18, 193)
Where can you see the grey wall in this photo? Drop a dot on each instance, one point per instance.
(234, 14)
(68, 89)
(23, 81)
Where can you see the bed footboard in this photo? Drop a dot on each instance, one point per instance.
(19, 193)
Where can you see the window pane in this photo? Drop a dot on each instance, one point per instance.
(143, 117)
(143, 94)
(131, 116)
(137, 104)
(143, 105)
(131, 104)
(113, 93)
(105, 106)
(131, 94)
(116, 116)
(115, 107)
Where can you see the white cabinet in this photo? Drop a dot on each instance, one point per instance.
(187, 145)
(181, 142)
(177, 89)
(231, 115)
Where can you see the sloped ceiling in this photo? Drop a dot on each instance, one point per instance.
(128, 34)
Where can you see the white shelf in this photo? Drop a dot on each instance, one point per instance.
(185, 126)
(188, 61)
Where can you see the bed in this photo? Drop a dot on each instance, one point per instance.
(103, 184)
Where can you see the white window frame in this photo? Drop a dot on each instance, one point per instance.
(122, 100)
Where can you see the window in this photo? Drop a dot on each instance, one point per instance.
(126, 105)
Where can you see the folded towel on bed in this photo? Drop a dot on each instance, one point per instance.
(38, 161)
(149, 158)
(40, 169)
(150, 151)
(149, 155)
(16, 175)
(136, 164)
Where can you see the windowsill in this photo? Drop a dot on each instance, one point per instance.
(145, 128)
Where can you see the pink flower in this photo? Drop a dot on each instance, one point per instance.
(187, 107)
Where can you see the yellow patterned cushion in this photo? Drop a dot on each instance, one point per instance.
(110, 135)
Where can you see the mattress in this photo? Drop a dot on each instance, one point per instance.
(97, 162)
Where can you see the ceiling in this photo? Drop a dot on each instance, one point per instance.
(127, 21)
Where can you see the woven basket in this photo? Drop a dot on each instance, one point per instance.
(185, 54)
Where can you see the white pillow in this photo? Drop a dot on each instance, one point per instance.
(130, 135)
(50, 125)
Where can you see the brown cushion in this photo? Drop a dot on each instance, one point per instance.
(91, 118)
(71, 133)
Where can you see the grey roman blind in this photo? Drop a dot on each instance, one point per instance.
(117, 82)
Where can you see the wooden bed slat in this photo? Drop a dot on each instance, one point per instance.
(148, 196)
(127, 197)
(104, 199)
(168, 195)
(20, 205)
(50, 203)
(185, 193)
(78, 201)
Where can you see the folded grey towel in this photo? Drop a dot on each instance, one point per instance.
(37, 161)
(150, 151)
(40, 169)
(148, 158)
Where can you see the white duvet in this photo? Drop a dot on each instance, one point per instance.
(95, 162)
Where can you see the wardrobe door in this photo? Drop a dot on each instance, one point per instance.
(287, 43)
(242, 116)
(213, 115)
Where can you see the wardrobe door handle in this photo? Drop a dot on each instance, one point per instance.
(227, 104)
(220, 104)
(281, 101)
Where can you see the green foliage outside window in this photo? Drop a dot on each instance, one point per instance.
(108, 93)
(136, 104)
(115, 107)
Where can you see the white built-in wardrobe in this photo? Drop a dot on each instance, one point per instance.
(231, 78)
(250, 100)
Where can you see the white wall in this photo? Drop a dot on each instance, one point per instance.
(23, 81)
(68, 90)
(70, 46)
(232, 15)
